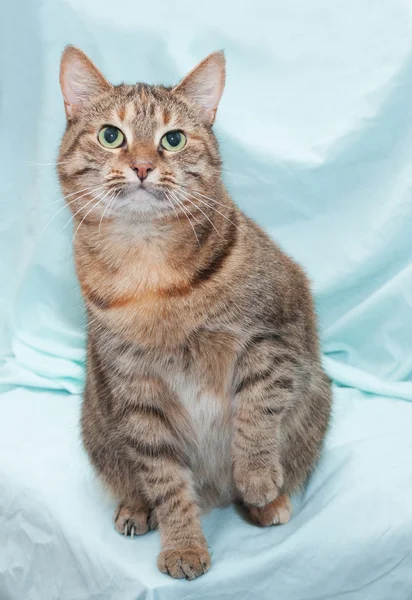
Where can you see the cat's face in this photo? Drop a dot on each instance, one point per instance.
(137, 150)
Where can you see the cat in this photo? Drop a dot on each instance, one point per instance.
(204, 383)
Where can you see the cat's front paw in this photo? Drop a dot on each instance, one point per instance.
(259, 487)
(134, 519)
(183, 563)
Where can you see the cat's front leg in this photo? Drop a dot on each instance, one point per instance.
(264, 391)
(156, 446)
(184, 549)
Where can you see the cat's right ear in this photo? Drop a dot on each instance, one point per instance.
(79, 80)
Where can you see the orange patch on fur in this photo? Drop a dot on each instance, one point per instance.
(196, 137)
(172, 291)
(175, 290)
(121, 112)
(166, 117)
(121, 301)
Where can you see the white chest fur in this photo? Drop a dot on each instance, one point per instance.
(210, 419)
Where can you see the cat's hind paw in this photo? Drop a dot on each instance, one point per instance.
(277, 512)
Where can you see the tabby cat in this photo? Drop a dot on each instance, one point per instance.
(204, 382)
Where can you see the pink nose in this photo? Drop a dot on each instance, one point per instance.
(142, 169)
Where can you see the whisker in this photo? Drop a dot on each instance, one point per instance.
(88, 212)
(115, 186)
(71, 201)
(180, 204)
(186, 197)
(223, 171)
(72, 194)
(172, 205)
(230, 172)
(51, 164)
(83, 207)
(215, 209)
(105, 208)
(72, 216)
(110, 209)
(186, 207)
(62, 208)
(207, 198)
(116, 178)
(112, 199)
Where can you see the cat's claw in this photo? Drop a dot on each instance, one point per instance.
(132, 520)
(126, 531)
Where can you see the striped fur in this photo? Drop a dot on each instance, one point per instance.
(204, 383)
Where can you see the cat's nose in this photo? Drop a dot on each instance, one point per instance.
(142, 169)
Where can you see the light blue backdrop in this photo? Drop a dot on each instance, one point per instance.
(315, 128)
(316, 133)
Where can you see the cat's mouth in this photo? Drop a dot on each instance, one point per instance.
(135, 199)
(141, 190)
(142, 198)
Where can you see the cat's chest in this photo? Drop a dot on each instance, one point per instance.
(199, 375)
(210, 417)
(207, 409)
(146, 302)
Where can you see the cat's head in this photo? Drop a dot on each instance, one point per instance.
(142, 149)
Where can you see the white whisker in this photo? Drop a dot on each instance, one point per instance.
(180, 204)
(172, 205)
(113, 203)
(62, 208)
(186, 197)
(83, 207)
(208, 198)
(88, 212)
(215, 209)
(90, 187)
(52, 164)
(112, 199)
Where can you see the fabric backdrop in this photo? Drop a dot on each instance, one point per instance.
(315, 127)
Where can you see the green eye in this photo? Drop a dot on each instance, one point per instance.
(111, 137)
(173, 141)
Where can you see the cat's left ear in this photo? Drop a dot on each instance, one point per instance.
(204, 85)
(80, 80)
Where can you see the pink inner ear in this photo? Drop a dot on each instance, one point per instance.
(79, 80)
(70, 83)
(204, 85)
(78, 84)
(212, 95)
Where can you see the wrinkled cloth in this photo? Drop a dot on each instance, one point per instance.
(350, 535)
(315, 130)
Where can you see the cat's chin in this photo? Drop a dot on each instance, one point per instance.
(141, 201)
